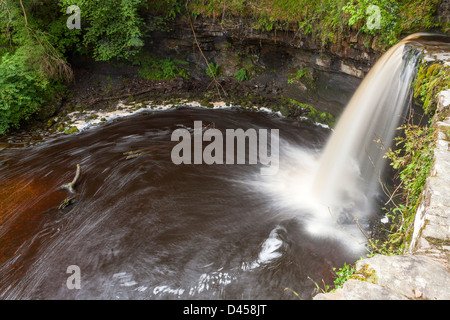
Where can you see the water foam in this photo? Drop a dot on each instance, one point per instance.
(290, 195)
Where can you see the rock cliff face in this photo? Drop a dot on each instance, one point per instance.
(355, 53)
(331, 74)
(277, 64)
(444, 14)
(432, 223)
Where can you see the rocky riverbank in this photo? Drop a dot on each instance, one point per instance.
(283, 73)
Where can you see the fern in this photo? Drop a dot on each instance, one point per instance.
(241, 75)
(214, 68)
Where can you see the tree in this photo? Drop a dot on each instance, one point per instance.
(112, 28)
(29, 65)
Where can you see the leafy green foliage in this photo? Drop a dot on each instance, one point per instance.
(396, 17)
(413, 159)
(65, 40)
(22, 90)
(342, 275)
(114, 28)
(162, 13)
(31, 67)
(34, 39)
(359, 15)
(216, 8)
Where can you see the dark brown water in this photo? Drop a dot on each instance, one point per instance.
(144, 228)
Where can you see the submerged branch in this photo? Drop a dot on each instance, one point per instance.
(71, 185)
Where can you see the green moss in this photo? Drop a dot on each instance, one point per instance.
(206, 103)
(438, 242)
(432, 78)
(71, 130)
(313, 114)
(365, 273)
(154, 68)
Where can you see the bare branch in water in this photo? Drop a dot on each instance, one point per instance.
(71, 185)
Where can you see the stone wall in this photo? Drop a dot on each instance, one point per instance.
(432, 222)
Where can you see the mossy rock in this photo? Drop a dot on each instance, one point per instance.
(365, 273)
(431, 79)
(71, 130)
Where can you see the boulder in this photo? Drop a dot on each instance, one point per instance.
(395, 278)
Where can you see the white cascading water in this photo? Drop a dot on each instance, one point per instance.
(352, 164)
(327, 191)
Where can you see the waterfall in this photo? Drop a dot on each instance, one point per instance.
(326, 191)
(348, 177)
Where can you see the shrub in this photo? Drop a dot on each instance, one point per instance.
(114, 28)
(22, 91)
